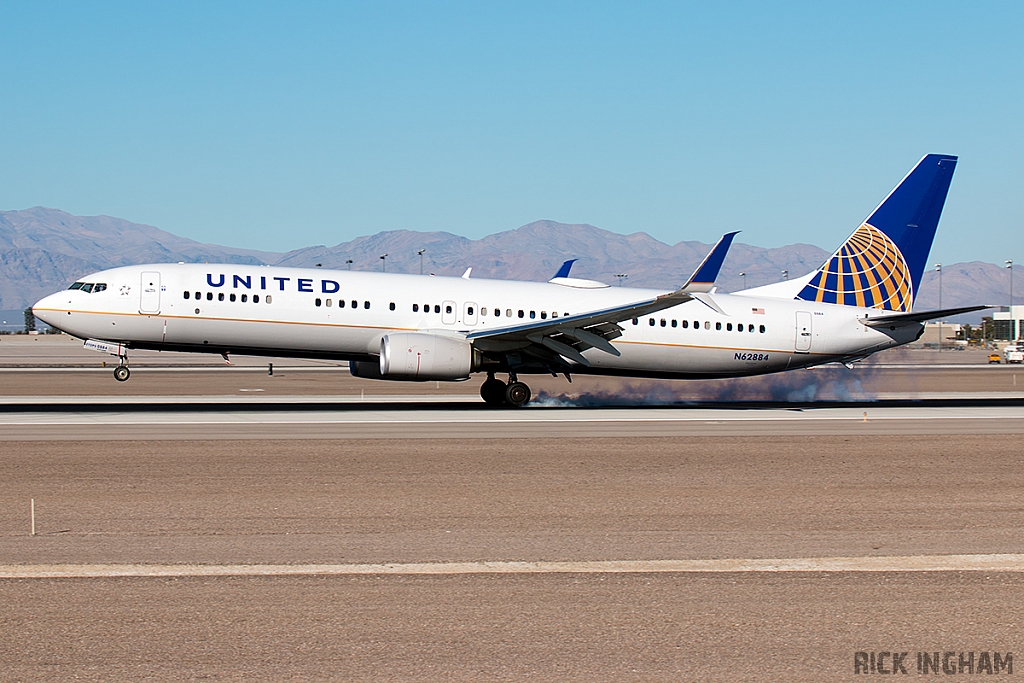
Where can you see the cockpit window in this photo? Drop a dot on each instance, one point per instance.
(89, 287)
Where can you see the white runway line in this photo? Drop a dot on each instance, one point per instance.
(569, 415)
(910, 563)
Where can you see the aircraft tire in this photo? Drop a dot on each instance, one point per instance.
(492, 391)
(122, 373)
(517, 394)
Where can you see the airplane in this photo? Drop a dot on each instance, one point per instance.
(416, 328)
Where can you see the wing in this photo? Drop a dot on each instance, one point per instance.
(560, 340)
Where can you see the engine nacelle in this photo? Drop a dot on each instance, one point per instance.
(422, 356)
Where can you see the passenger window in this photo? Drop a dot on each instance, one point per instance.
(256, 299)
(686, 324)
(533, 314)
(508, 313)
(636, 321)
(415, 308)
(199, 296)
(651, 321)
(341, 303)
(245, 297)
(728, 327)
(543, 315)
(750, 328)
(355, 304)
(554, 314)
(483, 311)
(707, 324)
(232, 296)
(718, 326)
(209, 296)
(269, 299)
(521, 313)
(762, 329)
(497, 312)
(663, 323)
(469, 310)
(447, 309)
(187, 294)
(391, 305)
(696, 324)
(366, 305)
(673, 323)
(437, 308)
(328, 303)
(220, 297)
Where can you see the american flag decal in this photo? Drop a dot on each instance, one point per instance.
(757, 311)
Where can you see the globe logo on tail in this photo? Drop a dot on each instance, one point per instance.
(867, 271)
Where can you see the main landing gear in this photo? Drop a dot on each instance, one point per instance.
(496, 393)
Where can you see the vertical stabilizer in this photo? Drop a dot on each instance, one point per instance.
(881, 264)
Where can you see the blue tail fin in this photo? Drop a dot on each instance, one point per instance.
(881, 265)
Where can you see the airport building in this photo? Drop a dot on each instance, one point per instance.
(949, 332)
(1008, 323)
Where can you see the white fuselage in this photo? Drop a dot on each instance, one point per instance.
(344, 315)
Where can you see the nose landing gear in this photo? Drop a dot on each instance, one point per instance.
(494, 392)
(121, 372)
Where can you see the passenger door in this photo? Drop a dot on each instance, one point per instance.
(149, 293)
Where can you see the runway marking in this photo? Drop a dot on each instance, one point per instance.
(427, 418)
(909, 563)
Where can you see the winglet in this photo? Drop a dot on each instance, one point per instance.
(564, 270)
(703, 279)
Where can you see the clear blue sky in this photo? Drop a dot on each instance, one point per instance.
(281, 125)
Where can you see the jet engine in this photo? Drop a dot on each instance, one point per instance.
(422, 356)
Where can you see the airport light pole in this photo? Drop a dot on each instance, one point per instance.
(420, 252)
(938, 269)
(785, 275)
(621, 276)
(1009, 266)
(1013, 333)
(744, 276)
(384, 263)
(349, 264)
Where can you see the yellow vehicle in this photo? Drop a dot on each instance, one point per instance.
(993, 358)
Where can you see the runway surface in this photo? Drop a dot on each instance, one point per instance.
(718, 558)
(405, 417)
(317, 527)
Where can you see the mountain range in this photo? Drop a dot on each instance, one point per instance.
(43, 250)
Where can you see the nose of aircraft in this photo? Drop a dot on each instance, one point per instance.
(46, 309)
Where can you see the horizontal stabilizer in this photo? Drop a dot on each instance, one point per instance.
(918, 317)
